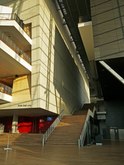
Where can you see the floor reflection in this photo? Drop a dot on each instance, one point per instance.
(109, 153)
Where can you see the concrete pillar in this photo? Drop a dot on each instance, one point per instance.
(14, 124)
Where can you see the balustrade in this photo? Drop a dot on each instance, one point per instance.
(5, 89)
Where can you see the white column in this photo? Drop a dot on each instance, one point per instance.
(14, 124)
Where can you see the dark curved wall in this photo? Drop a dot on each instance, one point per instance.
(67, 78)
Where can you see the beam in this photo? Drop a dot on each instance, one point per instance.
(115, 74)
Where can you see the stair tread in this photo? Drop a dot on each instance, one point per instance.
(68, 130)
(23, 139)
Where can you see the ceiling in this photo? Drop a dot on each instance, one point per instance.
(76, 13)
(86, 33)
(79, 9)
(26, 112)
(73, 12)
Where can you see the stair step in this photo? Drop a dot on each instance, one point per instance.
(68, 130)
(20, 139)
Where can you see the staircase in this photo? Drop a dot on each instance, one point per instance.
(68, 130)
(6, 138)
(20, 139)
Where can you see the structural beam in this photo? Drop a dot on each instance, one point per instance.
(115, 74)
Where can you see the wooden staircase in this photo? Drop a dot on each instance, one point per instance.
(68, 130)
(20, 139)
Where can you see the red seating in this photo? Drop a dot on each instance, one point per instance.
(25, 127)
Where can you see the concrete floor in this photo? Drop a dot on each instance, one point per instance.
(107, 154)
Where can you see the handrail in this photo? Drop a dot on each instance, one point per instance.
(14, 47)
(82, 137)
(14, 16)
(51, 128)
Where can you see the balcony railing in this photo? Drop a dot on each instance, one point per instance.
(14, 16)
(5, 89)
(14, 47)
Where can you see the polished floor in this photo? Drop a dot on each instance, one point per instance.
(110, 153)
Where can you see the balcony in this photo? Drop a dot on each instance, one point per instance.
(14, 27)
(15, 45)
(13, 59)
(5, 93)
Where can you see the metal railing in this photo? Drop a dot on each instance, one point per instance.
(12, 16)
(82, 137)
(5, 89)
(14, 47)
(51, 128)
(85, 128)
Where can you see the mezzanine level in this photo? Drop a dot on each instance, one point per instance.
(5, 93)
(13, 59)
(15, 45)
(11, 44)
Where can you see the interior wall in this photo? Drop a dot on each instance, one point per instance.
(114, 123)
(108, 31)
(67, 78)
(56, 82)
(115, 113)
(107, 20)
